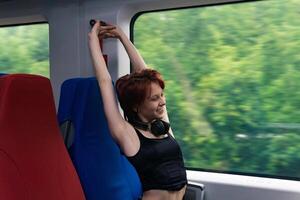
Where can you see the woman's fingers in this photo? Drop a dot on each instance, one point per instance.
(109, 35)
(107, 27)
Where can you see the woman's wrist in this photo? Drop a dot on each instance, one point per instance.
(125, 41)
(93, 36)
(122, 36)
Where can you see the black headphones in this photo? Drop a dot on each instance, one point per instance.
(158, 127)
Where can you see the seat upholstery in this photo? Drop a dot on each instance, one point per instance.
(34, 163)
(104, 172)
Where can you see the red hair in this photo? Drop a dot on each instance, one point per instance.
(132, 89)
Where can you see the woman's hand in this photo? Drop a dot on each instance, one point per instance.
(112, 31)
(101, 32)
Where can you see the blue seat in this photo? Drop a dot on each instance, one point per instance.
(104, 171)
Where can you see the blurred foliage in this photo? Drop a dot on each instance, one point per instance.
(232, 83)
(25, 49)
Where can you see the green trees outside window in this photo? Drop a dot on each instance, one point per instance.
(232, 83)
(25, 49)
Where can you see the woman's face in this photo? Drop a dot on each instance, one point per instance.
(154, 105)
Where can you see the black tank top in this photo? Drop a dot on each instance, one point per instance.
(159, 163)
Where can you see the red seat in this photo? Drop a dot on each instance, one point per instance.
(34, 164)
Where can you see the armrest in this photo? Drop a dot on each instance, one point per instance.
(194, 191)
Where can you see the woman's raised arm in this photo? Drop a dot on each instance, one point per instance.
(136, 59)
(121, 131)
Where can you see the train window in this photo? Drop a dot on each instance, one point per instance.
(25, 49)
(232, 76)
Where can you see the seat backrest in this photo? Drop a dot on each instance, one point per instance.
(34, 163)
(104, 172)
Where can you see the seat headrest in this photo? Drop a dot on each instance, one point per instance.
(26, 100)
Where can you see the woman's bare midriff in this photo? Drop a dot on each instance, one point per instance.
(164, 194)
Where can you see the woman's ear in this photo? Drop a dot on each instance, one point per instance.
(135, 109)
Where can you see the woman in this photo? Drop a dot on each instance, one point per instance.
(144, 136)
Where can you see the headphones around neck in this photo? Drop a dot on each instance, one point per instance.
(158, 127)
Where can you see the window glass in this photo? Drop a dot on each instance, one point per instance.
(25, 49)
(232, 75)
